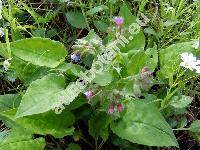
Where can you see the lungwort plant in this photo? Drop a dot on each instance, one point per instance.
(117, 89)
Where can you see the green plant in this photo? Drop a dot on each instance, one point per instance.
(61, 90)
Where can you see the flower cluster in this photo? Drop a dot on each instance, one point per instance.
(90, 44)
(190, 62)
(111, 108)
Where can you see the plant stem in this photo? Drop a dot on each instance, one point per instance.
(181, 129)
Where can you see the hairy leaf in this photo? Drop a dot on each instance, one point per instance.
(39, 51)
(58, 125)
(142, 123)
(9, 101)
(136, 63)
(181, 102)
(195, 126)
(41, 95)
(76, 19)
(20, 139)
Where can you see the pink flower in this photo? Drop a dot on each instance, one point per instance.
(89, 94)
(120, 107)
(111, 110)
(119, 21)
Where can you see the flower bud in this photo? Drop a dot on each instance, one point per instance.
(111, 110)
(6, 64)
(89, 94)
(145, 72)
(75, 57)
(120, 107)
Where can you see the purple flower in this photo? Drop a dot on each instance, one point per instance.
(75, 57)
(119, 21)
(89, 94)
(120, 107)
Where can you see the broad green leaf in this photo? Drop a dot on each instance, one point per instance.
(101, 26)
(58, 125)
(76, 19)
(103, 78)
(19, 139)
(9, 101)
(39, 51)
(27, 72)
(180, 102)
(98, 125)
(41, 95)
(136, 42)
(142, 123)
(152, 60)
(96, 10)
(136, 63)
(170, 57)
(127, 15)
(195, 126)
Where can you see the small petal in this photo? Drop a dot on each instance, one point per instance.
(189, 61)
(119, 20)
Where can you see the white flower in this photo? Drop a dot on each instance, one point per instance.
(189, 61)
(6, 64)
(1, 32)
